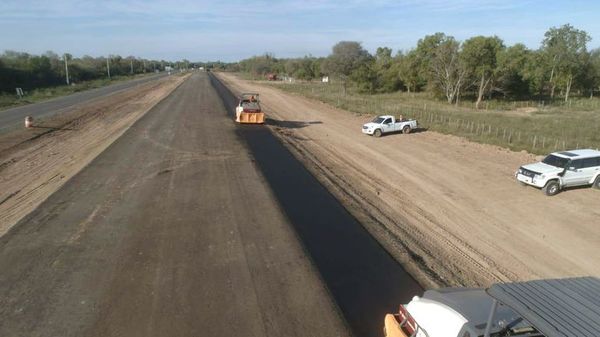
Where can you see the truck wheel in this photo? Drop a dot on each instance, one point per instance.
(597, 183)
(552, 188)
(377, 133)
(406, 129)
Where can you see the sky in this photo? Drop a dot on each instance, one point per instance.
(228, 31)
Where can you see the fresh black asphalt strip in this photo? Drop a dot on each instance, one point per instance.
(365, 281)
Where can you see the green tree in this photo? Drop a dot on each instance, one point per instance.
(365, 77)
(480, 56)
(594, 73)
(511, 72)
(386, 69)
(440, 64)
(408, 67)
(565, 48)
(346, 57)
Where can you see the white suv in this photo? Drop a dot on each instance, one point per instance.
(562, 169)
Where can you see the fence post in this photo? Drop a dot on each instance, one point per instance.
(534, 140)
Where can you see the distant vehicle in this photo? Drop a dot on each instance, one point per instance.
(248, 110)
(541, 308)
(562, 169)
(387, 124)
(272, 77)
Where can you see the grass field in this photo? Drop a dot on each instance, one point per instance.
(42, 94)
(537, 127)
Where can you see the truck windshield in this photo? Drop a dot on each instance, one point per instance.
(555, 161)
(378, 120)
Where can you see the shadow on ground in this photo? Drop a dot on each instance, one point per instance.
(417, 130)
(290, 124)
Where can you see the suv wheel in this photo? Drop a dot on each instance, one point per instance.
(552, 188)
(597, 183)
(377, 133)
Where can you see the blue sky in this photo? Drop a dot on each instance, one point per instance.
(232, 30)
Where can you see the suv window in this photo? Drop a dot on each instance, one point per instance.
(556, 161)
(387, 121)
(590, 162)
(577, 164)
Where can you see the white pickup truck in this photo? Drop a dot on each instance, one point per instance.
(386, 124)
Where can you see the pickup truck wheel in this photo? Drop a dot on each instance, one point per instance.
(377, 133)
(597, 183)
(552, 188)
(406, 129)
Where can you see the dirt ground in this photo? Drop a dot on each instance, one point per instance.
(449, 210)
(36, 162)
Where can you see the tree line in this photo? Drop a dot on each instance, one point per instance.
(479, 68)
(26, 71)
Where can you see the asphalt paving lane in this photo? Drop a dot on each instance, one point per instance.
(365, 281)
(172, 231)
(14, 117)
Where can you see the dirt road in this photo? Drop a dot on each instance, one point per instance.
(171, 231)
(448, 209)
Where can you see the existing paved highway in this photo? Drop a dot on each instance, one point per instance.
(190, 225)
(11, 118)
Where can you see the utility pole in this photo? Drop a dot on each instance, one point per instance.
(144, 62)
(66, 68)
(131, 64)
(108, 66)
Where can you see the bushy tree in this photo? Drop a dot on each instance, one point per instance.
(386, 69)
(512, 81)
(409, 71)
(480, 56)
(346, 58)
(565, 49)
(441, 64)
